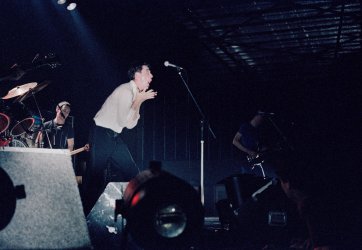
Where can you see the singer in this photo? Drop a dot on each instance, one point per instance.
(60, 130)
(108, 151)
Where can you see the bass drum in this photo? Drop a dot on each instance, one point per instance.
(18, 143)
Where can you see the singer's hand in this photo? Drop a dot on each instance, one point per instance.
(140, 98)
(145, 95)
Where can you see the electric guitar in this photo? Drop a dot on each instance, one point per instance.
(77, 151)
(261, 156)
(254, 159)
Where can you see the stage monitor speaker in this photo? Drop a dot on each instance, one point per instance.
(240, 187)
(101, 219)
(49, 214)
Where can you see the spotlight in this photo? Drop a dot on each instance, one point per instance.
(61, 1)
(162, 211)
(71, 6)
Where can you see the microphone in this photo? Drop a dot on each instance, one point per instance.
(167, 64)
(266, 113)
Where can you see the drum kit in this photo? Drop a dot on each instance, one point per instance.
(18, 124)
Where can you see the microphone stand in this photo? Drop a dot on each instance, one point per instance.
(202, 125)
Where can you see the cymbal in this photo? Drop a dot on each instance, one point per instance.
(20, 90)
(32, 91)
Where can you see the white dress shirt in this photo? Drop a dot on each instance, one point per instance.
(116, 112)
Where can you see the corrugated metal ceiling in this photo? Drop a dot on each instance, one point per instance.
(271, 38)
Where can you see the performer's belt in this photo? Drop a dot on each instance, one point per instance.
(109, 131)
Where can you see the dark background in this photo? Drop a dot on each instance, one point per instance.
(317, 107)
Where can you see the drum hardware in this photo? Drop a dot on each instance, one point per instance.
(32, 91)
(50, 60)
(27, 123)
(22, 122)
(19, 90)
(4, 122)
(20, 119)
(18, 143)
(22, 127)
(31, 137)
(16, 72)
(12, 142)
(5, 141)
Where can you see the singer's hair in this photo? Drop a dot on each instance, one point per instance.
(136, 67)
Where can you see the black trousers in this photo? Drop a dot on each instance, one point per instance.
(108, 153)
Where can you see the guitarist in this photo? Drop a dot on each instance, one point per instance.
(248, 141)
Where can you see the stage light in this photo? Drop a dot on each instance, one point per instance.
(71, 6)
(61, 1)
(162, 211)
(170, 221)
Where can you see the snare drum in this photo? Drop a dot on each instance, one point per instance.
(4, 122)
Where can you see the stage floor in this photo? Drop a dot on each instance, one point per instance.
(214, 236)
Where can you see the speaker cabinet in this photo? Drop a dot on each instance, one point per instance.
(50, 213)
(101, 219)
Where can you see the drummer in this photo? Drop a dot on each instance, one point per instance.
(59, 132)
